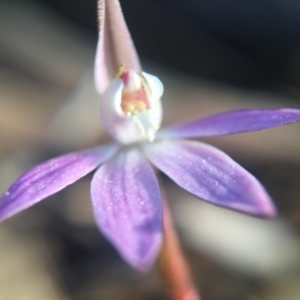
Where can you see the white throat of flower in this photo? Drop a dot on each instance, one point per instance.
(131, 106)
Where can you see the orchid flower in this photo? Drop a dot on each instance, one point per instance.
(125, 193)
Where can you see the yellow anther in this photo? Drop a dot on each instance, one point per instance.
(129, 108)
(140, 105)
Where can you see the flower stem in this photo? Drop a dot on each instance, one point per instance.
(172, 263)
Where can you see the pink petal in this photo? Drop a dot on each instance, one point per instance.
(231, 122)
(49, 178)
(210, 174)
(115, 46)
(127, 207)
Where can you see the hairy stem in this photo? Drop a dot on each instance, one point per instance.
(172, 263)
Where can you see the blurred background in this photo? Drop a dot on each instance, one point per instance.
(212, 55)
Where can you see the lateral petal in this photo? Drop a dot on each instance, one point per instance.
(211, 175)
(231, 122)
(50, 177)
(127, 207)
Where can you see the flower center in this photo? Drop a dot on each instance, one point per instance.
(131, 107)
(135, 93)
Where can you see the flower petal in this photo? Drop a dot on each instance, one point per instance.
(231, 122)
(115, 46)
(127, 207)
(211, 175)
(49, 178)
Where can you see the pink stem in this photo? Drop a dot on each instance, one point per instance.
(172, 263)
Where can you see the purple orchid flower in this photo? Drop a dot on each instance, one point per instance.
(125, 192)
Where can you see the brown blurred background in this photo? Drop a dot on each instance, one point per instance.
(212, 55)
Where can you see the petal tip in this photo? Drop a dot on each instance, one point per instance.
(265, 209)
(145, 263)
(269, 210)
(143, 266)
